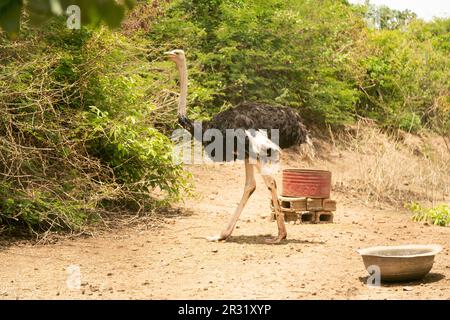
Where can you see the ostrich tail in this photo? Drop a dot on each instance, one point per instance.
(260, 143)
(260, 146)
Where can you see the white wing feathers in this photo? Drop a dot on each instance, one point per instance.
(260, 143)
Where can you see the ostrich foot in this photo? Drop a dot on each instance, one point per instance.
(277, 239)
(215, 238)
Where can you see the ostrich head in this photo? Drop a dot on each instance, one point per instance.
(179, 58)
(176, 56)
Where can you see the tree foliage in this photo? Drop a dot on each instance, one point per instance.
(77, 129)
(92, 11)
(319, 57)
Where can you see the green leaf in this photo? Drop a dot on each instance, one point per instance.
(93, 12)
(10, 12)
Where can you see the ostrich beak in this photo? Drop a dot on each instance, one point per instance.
(170, 54)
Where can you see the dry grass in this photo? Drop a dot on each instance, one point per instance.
(143, 15)
(394, 168)
(381, 169)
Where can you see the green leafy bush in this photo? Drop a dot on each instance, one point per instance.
(407, 84)
(319, 57)
(295, 53)
(110, 12)
(77, 130)
(439, 215)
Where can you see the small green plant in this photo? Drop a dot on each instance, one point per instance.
(439, 215)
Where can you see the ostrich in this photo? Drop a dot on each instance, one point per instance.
(246, 116)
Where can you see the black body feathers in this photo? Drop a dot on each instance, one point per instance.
(256, 116)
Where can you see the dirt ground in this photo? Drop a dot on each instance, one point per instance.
(174, 261)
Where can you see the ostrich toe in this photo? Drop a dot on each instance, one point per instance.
(215, 238)
(277, 239)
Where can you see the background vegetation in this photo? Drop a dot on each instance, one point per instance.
(85, 114)
(439, 215)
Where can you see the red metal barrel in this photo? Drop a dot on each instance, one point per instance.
(306, 183)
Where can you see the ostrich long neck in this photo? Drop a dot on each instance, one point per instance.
(183, 89)
(182, 118)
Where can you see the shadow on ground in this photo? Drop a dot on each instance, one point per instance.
(429, 278)
(261, 239)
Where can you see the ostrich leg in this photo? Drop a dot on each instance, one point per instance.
(272, 186)
(250, 186)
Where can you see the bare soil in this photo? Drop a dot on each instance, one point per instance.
(174, 261)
